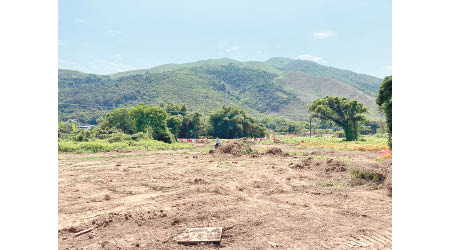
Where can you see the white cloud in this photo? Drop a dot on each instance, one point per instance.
(388, 67)
(259, 52)
(323, 34)
(233, 48)
(309, 57)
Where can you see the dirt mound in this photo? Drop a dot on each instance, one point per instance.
(330, 165)
(334, 165)
(307, 162)
(276, 151)
(235, 148)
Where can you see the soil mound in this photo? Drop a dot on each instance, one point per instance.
(235, 148)
(276, 151)
(304, 163)
(334, 165)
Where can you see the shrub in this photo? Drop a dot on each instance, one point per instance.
(119, 137)
(368, 175)
(82, 135)
(140, 136)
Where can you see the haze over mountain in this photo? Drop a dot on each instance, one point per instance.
(278, 86)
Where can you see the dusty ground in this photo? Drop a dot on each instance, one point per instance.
(142, 199)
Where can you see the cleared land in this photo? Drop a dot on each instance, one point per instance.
(309, 199)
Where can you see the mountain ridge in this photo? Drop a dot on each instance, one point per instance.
(277, 86)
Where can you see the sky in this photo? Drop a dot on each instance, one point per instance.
(106, 37)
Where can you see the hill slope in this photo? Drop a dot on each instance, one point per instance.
(365, 83)
(273, 87)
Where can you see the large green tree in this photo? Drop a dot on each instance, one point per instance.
(342, 111)
(183, 124)
(119, 118)
(231, 122)
(140, 118)
(384, 100)
(191, 125)
(154, 118)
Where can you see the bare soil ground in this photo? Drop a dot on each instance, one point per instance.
(143, 199)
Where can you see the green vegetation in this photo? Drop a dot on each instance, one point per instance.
(341, 111)
(281, 125)
(250, 98)
(366, 83)
(141, 118)
(368, 143)
(144, 127)
(98, 145)
(256, 87)
(184, 124)
(384, 100)
(231, 122)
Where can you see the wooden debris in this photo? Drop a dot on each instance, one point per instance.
(200, 235)
(83, 232)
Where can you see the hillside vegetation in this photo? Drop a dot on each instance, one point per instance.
(279, 86)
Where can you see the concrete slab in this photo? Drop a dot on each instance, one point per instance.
(199, 235)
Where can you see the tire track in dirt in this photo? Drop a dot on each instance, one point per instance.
(367, 239)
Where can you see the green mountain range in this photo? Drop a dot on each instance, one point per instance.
(278, 86)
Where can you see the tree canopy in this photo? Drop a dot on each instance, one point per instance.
(342, 111)
(232, 122)
(140, 118)
(384, 100)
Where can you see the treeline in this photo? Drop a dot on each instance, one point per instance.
(168, 122)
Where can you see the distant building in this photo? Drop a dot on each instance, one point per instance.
(86, 127)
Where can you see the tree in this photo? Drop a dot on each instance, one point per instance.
(174, 123)
(231, 122)
(119, 118)
(154, 118)
(384, 100)
(140, 118)
(342, 111)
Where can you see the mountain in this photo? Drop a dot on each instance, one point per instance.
(279, 86)
(365, 83)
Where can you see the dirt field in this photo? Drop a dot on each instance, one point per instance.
(308, 199)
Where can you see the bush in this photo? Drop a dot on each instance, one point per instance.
(119, 137)
(82, 135)
(163, 134)
(141, 136)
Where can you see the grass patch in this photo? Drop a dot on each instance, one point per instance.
(366, 144)
(98, 145)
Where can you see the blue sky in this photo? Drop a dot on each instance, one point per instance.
(103, 37)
